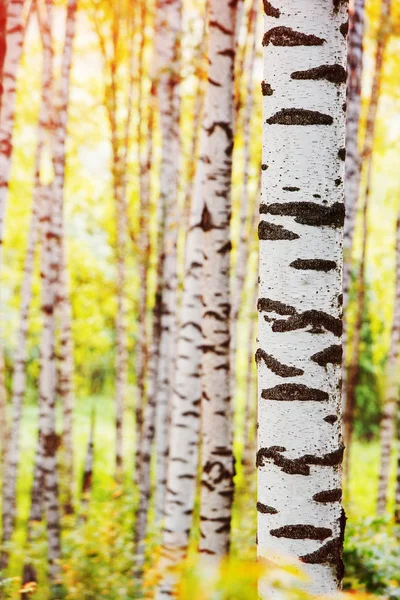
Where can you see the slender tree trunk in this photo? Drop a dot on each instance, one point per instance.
(351, 154)
(14, 40)
(87, 480)
(168, 31)
(397, 488)
(300, 305)
(147, 436)
(241, 258)
(218, 465)
(389, 410)
(3, 44)
(185, 405)
(353, 371)
(65, 382)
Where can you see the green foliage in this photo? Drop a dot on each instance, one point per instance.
(372, 558)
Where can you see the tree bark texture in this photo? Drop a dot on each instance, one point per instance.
(299, 357)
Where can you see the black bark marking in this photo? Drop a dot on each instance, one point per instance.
(227, 247)
(337, 4)
(270, 10)
(331, 419)
(342, 153)
(291, 188)
(270, 231)
(314, 264)
(215, 83)
(332, 73)
(264, 167)
(206, 219)
(301, 465)
(266, 89)
(331, 355)
(328, 496)
(318, 321)
(299, 116)
(277, 367)
(308, 213)
(331, 552)
(302, 532)
(267, 305)
(266, 510)
(344, 29)
(291, 392)
(224, 125)
(338, 181)
(285, 36)
(220, 27)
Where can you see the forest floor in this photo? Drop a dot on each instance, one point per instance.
(98, 552)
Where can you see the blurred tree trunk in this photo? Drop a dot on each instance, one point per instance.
(14, 41)
(218, 465)
(351, 155)
(397, 489)
(3, 44)
(367, 158)
(249, 427)
(239, 274)
(300, 305)
(387, 426)
(186, 398)
(87, 480)
(167, 44)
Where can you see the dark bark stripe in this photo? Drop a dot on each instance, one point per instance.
(268, 305)
(331, 355)
(277, 367)
(302, 532)
(285, 36)
(331, 419)
(266, 510)
(299, 116)
(342, 154)
(315, 264)
(344, 28)
(270, 231)
(270, 10)
(291, 392)
(328, 496)
(332, 73)
(301, 465)
(308, 213)
(266, 89)
(318, 321)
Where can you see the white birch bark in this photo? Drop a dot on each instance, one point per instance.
(185, 404)
(168, 31)
(217, 457)
(241, 257)
(3, 44)
(387, 426)
(14, 41)
(300, 306)
(351, 153)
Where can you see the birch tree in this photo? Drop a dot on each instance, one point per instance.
(3, 44)
(167, 45)
(185, 405)
(14, 41)
(351, 153)
(391, 390)
(300, 448)
(217, 458)
(367, 159)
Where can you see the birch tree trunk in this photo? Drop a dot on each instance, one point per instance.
(168, 31)
(397, 489)
(351, 154)
(240, 271)
(218, 465)
(185, 405)
(353, 370)
(87, 480)
(300, 448)
(3, 44)
(14, 41)
(387, 426)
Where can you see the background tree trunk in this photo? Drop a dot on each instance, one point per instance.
(217, 457)
(300, 305)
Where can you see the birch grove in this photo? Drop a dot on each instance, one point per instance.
(199, 299)
(300, 302)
